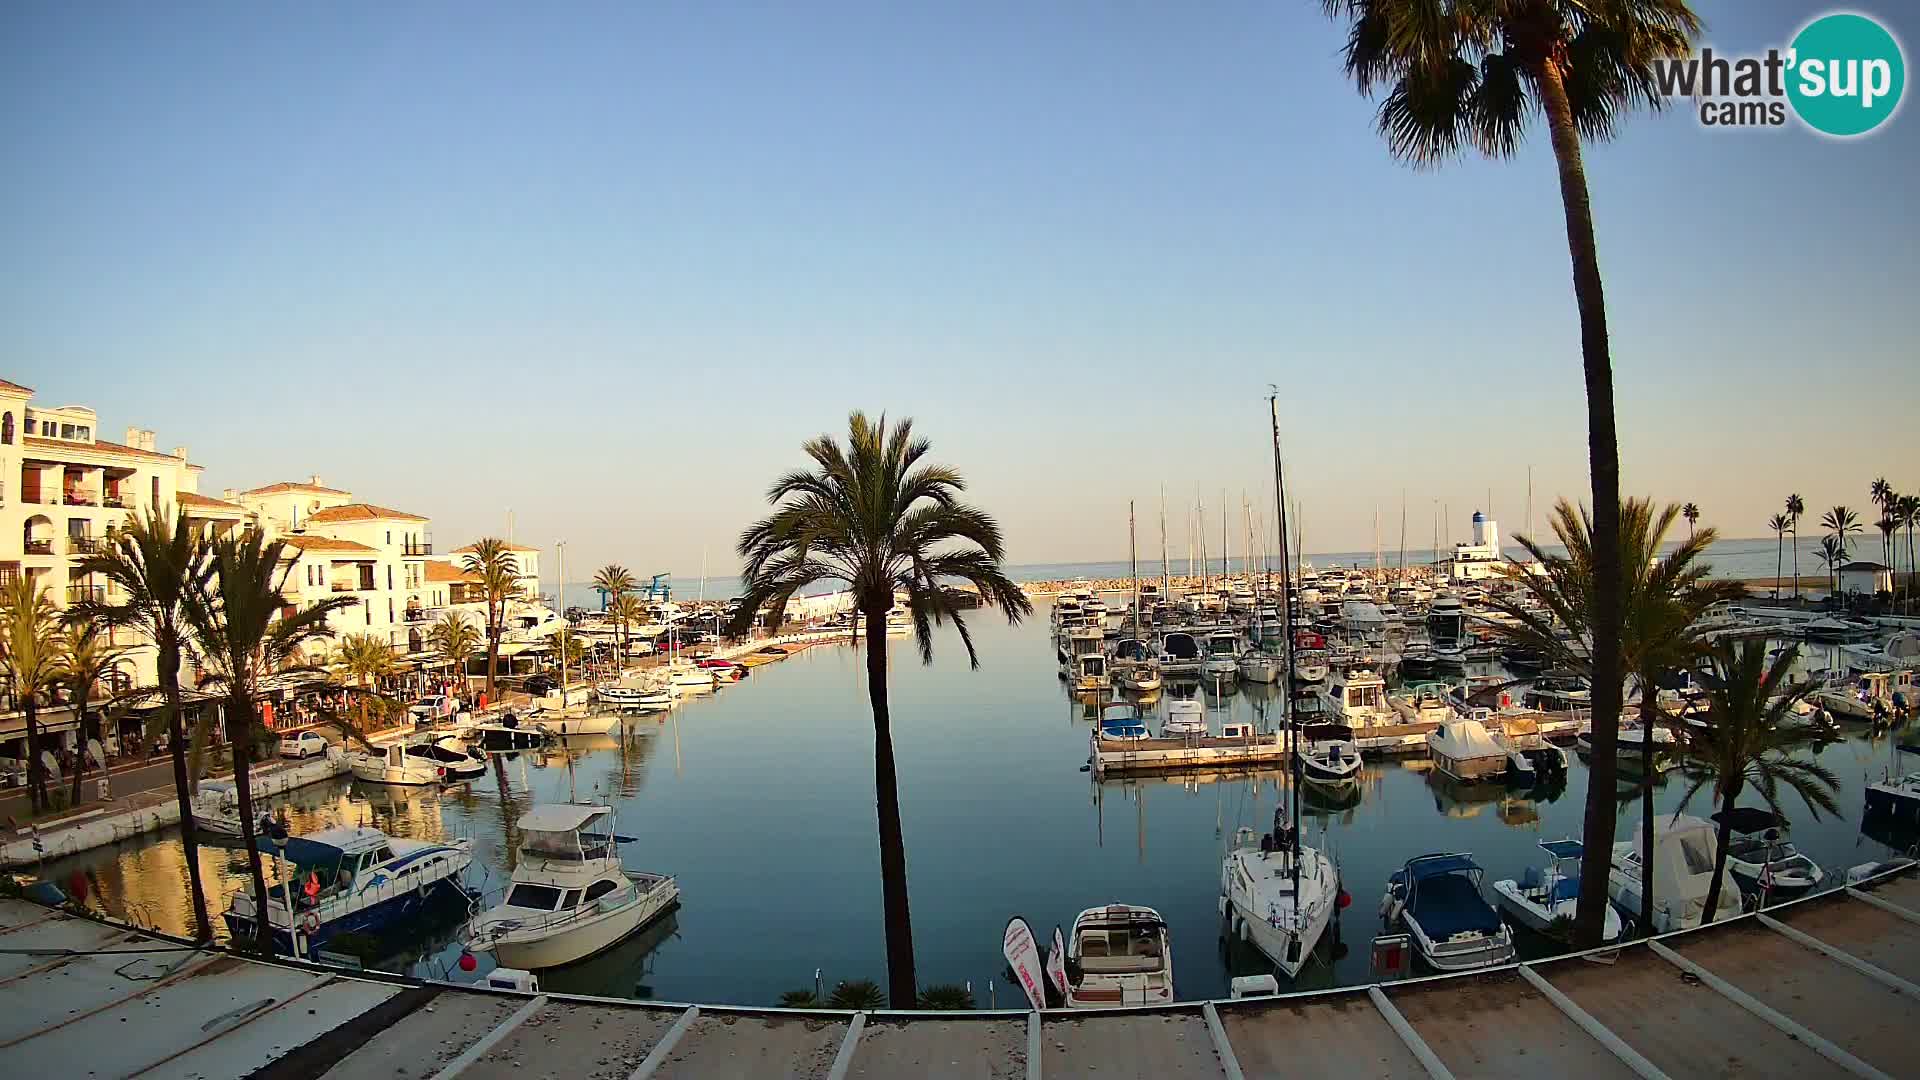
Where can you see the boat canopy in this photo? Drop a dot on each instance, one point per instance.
(1427, 866)
(1119, 714)
(567, 831)
(1563, 849)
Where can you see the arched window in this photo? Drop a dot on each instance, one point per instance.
(6, 428)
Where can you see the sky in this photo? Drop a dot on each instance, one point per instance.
(607, 266)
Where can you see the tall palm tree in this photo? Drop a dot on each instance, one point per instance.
(499, 574)
(1831, 555)
(1665, 598)
(366, 660)
(1889, 527)
(873, 514)
(1691, 512)
(243, 633)
(1464, 73)
(627, 611)
(454, 639)
(1884, 497)
(1909, 512)
(1779, 523)
(1795, 507)
(30, 657)
(87, 657)
(1754, 740)
(1840, 522)
(153, 563)
(613, 581)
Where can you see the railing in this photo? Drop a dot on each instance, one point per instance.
(416, 615)
(417, 547)
(80, 594)
(86, 545)
(345, 586)
(118, 502)
(79, 498)
(39, 547)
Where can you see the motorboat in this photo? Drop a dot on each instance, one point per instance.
(1437, 900)
(639, 698)
(689, 678)
(1630, 746)
(1835, 630)
(1417, 662)
(1139, 676)
(1090, 673)
(1179, 654)
(1463, 749)
(1874, 697)
(1184, 717)
(1119, 955)
(1546, 896)
(1222, 659)
(1359, 698)
(570, 897)
(1531, 759)
(508, 734)
(1558, 693)
(1363, 619)
(1310, 660)
(1896, 797)
(392, 764)
(1421, 703)
(1259, 666)
(1328, 754)
(723, 669)
(571, 726)
(1762, 859)
(1124, 729)
(1683, 852)
(451, 755)
(1277, 894)
(216, 809)
(349, 880)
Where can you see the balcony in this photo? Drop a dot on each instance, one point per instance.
(343, 586)
(81, 594)
(80, 498)
(117, 502)
(417, 547)
(39, 547)
(86, 545)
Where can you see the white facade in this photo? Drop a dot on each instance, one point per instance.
(1482, 558)
(1866, 578)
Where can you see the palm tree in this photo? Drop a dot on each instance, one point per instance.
(627, 611)
(154, 563)
(1795, 507)
(874, 515)
(1474, 74)
(1889, 526)
(1884, 497)
(1909, 511)
(1753, 740)
(87, 657)
(1779, 523)
(499, 575)
(1840, 522)
(1831, 556)
(1691, 512)
(1664, 602)
(613, 581)
(30, 657)
(366, 660)
(857, 994)
(242, 636)
(454, 639)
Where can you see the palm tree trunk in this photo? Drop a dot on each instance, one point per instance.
(1724, 836)
(1603, 454)
(1796, 566)
(1648, 709)
(902, 985)
(240, 738)
(493, 654)
(182, 787)
(1779, 559)
(36, 769)
(80, 724)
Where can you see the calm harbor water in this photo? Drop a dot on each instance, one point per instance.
(760, 800)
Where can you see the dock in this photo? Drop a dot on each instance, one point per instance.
(1823, 986)
(1126, 757)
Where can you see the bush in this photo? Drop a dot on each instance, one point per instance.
(858, 994)
(946, 996)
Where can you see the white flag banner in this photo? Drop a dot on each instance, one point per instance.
(1023, 956)
(1057, 963)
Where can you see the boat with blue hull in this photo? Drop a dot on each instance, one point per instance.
(351, 880)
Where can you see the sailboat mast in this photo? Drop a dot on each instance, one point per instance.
(1133, 555)
(1166, 575)
(1287, 715)
(1226, 549)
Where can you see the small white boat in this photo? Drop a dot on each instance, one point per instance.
(1437, 900)
(1465, 751)
(1184, 717)
(562, 727)
(570, 897)
(639, 698)
(509, 733)
(393, 765)
(1541, 897)
(1683, 872)
(1258, 894)
(1127, 727)
(1140, 676)
(448, 752)
(216, 809)
(1630, 747)
(1119, 955)
(1309, 665)
(1763, 860)
(1222, 660)
(687, 678)
(1259, 666)
(1329, 756)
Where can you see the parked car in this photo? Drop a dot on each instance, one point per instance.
(302, 744)
(428, 710)
(542, 685)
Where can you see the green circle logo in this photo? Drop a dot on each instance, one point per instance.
(1846, 75)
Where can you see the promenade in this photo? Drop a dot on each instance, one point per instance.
(1822, 987)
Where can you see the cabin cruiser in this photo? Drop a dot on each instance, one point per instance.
(1447, 629)
(392, 764)
(1417, 662)
(1119, 955)
(576, 722)
(1630, 746)
(1125, 728)
(1090, 673)
(688, 678)
(1464, 750)
(1222, 660)
(1762, 859)
(1558, 693)
(1259, 666)
(1309, 657)
(1329, 756)
(1896, 796)
(1437, 899)
(1683, 847)
(1179, 654)
(1184, 716)
(1836, 630)
(1363, 619)
(1543, 897)
(349, 880)
(1531, 759)
(216, 809)
(1872, 697)
(450, 753)
(1278, 894)
(1359, 699)
(639, 698)
(570, 897)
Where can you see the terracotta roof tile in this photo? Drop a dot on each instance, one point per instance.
(275, 489)
(361, 512)
(509, 547)
(324, 543)
(193, 498)
(98, 446)
(15, 387)
(440, 572)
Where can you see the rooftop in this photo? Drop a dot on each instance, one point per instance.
(444, 572)
(507, 546)
(276, 489)
(1863, 566)
(360, 512)
(195, 499)
(14, 387)
(325, 543)
(98, 446)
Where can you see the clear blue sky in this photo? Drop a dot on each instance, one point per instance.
(608, 265)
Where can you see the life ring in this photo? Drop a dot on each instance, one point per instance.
(310, 923)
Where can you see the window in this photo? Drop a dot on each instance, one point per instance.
(537, 897)
(83, 432)
(30, 425)
(156, 491)
(389, 537)
(389, 604)
(599, 889)
(366, 611)
(6, 429)
(389, 582)
(572, 901)
(380, 855)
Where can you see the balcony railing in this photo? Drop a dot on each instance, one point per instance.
(118, 502)
(79, 498)
(80, 594)
(344, 586)
(86, 545)
(39, 547)
(417, 547)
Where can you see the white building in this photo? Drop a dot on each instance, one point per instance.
(1865, 578)
(1482, 558)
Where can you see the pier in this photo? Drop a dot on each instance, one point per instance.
(1823, 986)
(1124, 757)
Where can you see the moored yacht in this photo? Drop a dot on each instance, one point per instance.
(1463, 749)
(1222, 660)
(1279, 895)
(1328, 754)
(349, 880)
(1762, 859)
(1359, 699)
(1259, 666)
(450, 753)
(1437, 899)
(392, 764)
(1119, 955)
(1184, 717)
(1179, 654)
(570, 897)
(1683, 847)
